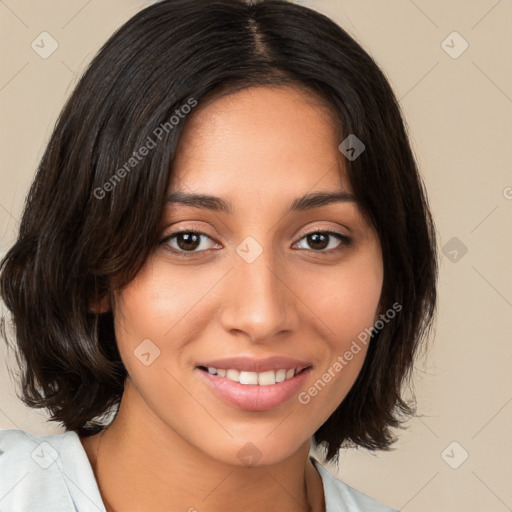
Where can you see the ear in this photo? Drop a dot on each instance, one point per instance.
(101, 306)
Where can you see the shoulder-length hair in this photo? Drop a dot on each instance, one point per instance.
(88, 227)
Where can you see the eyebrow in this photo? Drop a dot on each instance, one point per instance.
(217, 204)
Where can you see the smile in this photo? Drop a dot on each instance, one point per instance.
(254, 383)
(254, 378)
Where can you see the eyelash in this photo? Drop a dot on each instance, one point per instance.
(345, 241)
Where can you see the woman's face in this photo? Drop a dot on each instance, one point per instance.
(255, 286)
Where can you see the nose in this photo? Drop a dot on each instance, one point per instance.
(259, 301)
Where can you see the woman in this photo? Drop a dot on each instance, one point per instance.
(228, 247)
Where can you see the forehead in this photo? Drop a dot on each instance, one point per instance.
(260, 141)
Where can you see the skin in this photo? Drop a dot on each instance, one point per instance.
(174, 444)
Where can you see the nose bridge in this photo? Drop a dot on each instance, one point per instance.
(258, 301)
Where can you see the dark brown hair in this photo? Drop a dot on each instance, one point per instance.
(76, 245)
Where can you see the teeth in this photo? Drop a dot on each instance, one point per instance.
(248, 378)
(280, 375)
(263, 379)
(233, 375)
(267, 378)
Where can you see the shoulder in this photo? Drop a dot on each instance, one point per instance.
(21, 451)
(44, 472)
(341, 497)
(16, 443)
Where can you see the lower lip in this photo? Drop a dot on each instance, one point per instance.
(251, 397)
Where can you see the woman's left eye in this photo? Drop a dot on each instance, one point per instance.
(190, 242)
(322, 239)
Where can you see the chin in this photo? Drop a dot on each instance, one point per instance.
(258, 452)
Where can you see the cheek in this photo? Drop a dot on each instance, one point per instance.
(348, 301)
(147, 314)
(157, 304)
(144, 311)
(347, 306)
(157, 316)
(352, 305)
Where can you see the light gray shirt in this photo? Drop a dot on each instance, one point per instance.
(53, 474)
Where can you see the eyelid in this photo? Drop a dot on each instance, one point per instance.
(322, 229)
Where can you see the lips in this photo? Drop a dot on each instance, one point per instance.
(254, 384)
(251, 364)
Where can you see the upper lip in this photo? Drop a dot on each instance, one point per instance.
(252, 364)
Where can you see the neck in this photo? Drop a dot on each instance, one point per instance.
(140, 463)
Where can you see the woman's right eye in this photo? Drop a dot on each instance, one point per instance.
(187, 241)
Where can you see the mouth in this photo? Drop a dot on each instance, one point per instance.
(254, 385)
(266, 378)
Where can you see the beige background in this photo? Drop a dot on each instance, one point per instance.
(459, 111)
